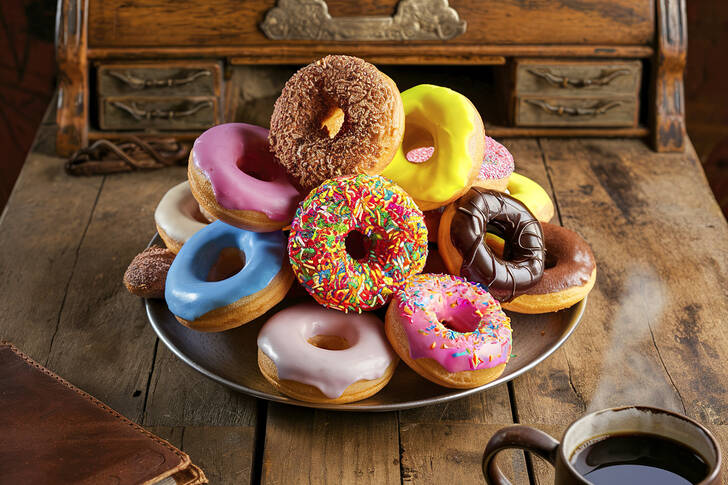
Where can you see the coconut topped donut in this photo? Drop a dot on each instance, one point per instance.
(337, 116)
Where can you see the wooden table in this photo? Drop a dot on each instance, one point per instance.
(655, 330)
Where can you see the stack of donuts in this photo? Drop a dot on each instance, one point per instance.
(344, 197)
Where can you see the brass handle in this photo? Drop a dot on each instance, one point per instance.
(596, 110)
(605, 78)
(140, 114)
(141, 83)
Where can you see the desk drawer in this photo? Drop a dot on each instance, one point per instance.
(582, 111)
(577, 78)
(136, 113)
(187, 78)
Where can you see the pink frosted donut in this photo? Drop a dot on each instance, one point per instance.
(234, 177)
(449, 331)
(496, 168)
(320, 355)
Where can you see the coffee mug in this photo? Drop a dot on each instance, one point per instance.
(629, 422)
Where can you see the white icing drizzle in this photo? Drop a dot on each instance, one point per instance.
(284, 339)
(174, 214)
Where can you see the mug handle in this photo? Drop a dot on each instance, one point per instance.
(518, 436)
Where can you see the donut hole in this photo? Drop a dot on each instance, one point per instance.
(417, 144)
(460, 318)
(332, 121)
(329, 342)
(196, 214)
(253, 167)
(357, 245)
(229, 263)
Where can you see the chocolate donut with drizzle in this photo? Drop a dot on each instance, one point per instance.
(462, 242)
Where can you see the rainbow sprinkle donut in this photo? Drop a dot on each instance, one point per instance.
(390, 229)
(449, 330)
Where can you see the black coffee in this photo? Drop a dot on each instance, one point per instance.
(638, 459)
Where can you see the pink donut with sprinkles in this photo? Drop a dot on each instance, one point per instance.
(496, 168)
(355, 240)
(450, 331)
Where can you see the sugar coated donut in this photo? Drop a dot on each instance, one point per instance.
(390, 231)
(569, 275)
(319, 355)
(496, 168)
(337, 116)
(178, 216)
(449, 331)
(235, 178)
(446, 120)
(224, 277)
(532, 196)
(147, 272)
(461, 242)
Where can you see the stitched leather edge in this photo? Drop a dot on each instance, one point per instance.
(184, 458)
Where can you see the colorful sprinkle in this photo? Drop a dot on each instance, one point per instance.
(394, 235)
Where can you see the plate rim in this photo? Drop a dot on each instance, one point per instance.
(452, 395)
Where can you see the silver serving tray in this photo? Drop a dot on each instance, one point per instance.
(231, 357)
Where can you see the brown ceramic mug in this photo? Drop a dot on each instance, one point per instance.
(608, 422)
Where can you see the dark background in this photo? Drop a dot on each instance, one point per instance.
(27, 80)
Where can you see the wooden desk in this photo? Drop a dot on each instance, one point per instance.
(654, 331)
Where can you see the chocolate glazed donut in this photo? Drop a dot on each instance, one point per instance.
(523, 263)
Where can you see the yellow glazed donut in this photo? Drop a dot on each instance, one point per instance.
(446, 120)
(532, 195)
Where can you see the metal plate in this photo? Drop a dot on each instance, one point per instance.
(231, 357)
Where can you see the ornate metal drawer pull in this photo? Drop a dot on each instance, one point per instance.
(596, 110)
(140, 114)
(564, 82)
(141, 83)
(413, 20)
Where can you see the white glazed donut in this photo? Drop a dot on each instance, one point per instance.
(178, 216)
(320, 355)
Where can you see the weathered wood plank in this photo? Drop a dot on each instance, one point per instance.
(311, 446)
(179, 395)
(222, 452)
(41, 230)
(103, 343)
(651, 333)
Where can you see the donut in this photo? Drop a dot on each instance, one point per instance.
(337, 116)
(224, 277)
(147, 272)
(364, 209)
(449, 331)
(461, 242)
(178, 216)
(446, 120)
(318, 355)
(432, 221)
(532, 195)
(496, 168)
(235, 178)
(569, 274)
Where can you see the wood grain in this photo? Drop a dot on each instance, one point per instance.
(223, 452)
(667, 109)
(235, 22)
(310, 446)
(103, 343)
(73, 92)
(646, 336)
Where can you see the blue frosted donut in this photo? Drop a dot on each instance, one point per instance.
(213, 306)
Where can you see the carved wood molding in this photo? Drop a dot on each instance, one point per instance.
(71, 46)
(668, 106)
(413, 20)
